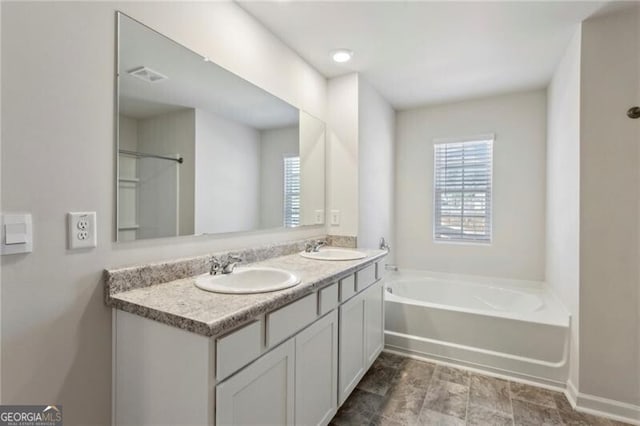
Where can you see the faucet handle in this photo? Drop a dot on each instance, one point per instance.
(215, 266)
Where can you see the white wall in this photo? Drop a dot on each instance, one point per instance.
(342, 153)
(313, 143)
(376, 121)
(227, 175)
(563, 184)
(58, 156)
(128, 137)
(274, 145)
(166, 188)
(519, 123)
(609, 197)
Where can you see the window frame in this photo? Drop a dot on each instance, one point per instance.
(491, 138)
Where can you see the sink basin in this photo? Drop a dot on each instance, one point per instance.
(334, 254)
(248, 280)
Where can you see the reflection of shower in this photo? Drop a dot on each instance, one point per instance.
(149, 196)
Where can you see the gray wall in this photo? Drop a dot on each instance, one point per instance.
(227, 174)
(166, 189)
(342, 153)
(376, 158)
(609, 211)
(274, 145)
(519, 123)
(563, 194)
(58, 156)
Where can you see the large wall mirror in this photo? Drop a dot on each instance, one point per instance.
(203, 151)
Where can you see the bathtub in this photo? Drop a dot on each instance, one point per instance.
(514, 328)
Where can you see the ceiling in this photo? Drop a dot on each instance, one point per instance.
(419, 53)
(192, 83)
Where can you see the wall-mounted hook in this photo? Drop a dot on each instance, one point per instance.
(633, 112)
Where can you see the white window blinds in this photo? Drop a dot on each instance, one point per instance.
(291, 191)
(462, 190)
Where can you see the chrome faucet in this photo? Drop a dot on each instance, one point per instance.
(230, 263)
(314, 246)
(225, 265)
(384, 245)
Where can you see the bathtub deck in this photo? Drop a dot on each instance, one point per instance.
(403, 391)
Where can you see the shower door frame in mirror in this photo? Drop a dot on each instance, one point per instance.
(153, 181)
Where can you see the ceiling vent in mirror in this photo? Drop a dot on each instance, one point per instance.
(147, 74)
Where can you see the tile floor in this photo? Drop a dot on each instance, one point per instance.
(402, 391)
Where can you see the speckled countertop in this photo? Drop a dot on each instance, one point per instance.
(181, 304)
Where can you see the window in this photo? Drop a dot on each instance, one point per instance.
(462, 190)
(291, 192)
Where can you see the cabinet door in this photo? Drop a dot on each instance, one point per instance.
(374, 322)
(262, 393)
(352, 354)
(317, 372)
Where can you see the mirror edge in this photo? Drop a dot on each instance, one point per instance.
(118, 17)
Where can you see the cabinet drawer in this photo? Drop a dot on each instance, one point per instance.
(286, 321)
(365, 277)
(347, 287)
(327, 299)
(237, 349)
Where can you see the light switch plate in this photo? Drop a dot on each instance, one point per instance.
(17, 233)
(81, 230)
(335, 217)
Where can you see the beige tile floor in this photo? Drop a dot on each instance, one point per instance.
(402, 391)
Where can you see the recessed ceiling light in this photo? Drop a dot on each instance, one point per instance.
(341, 55)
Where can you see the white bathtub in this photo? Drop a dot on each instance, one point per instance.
(516, 328)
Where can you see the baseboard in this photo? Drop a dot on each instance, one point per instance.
(571, 392)
(602, 407)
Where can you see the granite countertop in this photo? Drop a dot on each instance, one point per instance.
(181, 304)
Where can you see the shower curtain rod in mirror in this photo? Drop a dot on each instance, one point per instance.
(142, 154)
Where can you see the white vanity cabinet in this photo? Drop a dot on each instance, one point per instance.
(294, 365)
(262, 393)
(352, 332)
(317, 372)
(361, 337)
(374, 323)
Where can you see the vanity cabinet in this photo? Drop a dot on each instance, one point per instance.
(317, 372)
(293, 384)
(374, 323)
(293, 365)
(351, 345)
(361, 337)
(262, 393)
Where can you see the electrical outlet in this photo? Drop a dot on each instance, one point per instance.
(319, 217)
(81, 228)
(83, 223)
